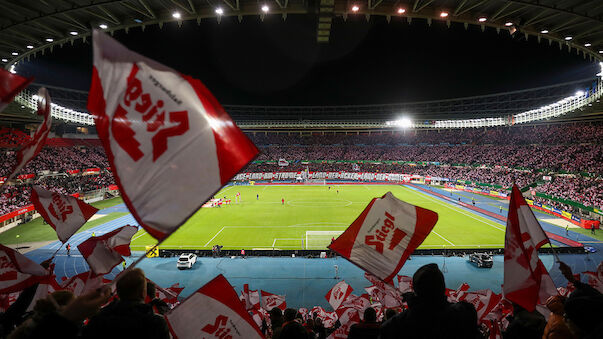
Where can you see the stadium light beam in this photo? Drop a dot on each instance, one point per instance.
(14, 53)
(401, 11)
(30, 46)
(508, 24)
(73, 33)
(568, 38)
(355, 8)
(219, 11)
(4, 60)
(265, 8)
(579, 93)
(177, 15)
(544, 31)
(49, 39)
(482, 19)
(443, 14)
(587, 44)
(103, 26)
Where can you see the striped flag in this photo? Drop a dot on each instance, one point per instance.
(17, 271)
(338, 293)
(170, 144)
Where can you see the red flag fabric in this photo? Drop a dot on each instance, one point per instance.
(46, 286)
(64, 213)
(82, 283)
(595, 279)
(404, 284)
(104, 252)
(223, 315)
(384, 235)
(359, 303)
(271, 301)
(484, 301)
(30, 149)
(166, 136)
(382, 292)
(338, 293)
(456, 295)
(328, 318)
(251, 298)
(526, 280)
(10, 85)
(17, 271)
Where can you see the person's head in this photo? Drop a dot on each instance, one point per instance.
(276, 315)
(310, 322)
(428, 282)
(290, 314)
(370, 315)
(390, 313)
(583, 314)
(151, 290)
(132, 285)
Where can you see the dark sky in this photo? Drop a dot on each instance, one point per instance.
(278, 62)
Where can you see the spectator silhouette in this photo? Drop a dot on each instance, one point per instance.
(291, 328)
(368, 328)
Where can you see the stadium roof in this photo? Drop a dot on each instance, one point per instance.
(30, 27)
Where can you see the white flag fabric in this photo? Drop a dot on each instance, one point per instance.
(384, 235)
(170, 144)
(82, 283)
(271, 301)
(64, 213)
(484, 301)
(34, 146)
(17, 271)
(251, 298)
(404, 284)
(338, 294)
(104, 252)
(526, 280)
(10, 85)
(214, 311)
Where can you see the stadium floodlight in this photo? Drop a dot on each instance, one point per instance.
(12, 69)
(508, 24)
(103, 26)
(587, 44)
(568, 38)
(30, 46)
(73, 33)
(443, 14)
(482, 19)
(355, 8)
(219, 11)
(579, 93)
(544, 31)
(265, 8)
(15, 53)
(49, 39)
(401, 11)
(4, 60)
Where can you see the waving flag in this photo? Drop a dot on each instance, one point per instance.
(223, 315)
(456, 295)
(250, 298)
(328, 318)
(526, 280)
(170, 144)
(484, 301)
(105, 252)
(64, 213)
(359, 303)
(46, 286)
(382, 292)
(404, 284)
(271, 301)
(82, 283)
(29, 150)
(17, 271)
(10, 85)
(595, 279)
(338, 294)
(384, 235)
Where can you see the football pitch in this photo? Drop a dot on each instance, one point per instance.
(311, 216)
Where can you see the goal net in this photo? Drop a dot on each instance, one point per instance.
(318, 240)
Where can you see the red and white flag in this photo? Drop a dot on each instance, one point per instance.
(64, 213)
(82, 283)
(384, 235)
(30, 149)
(384, 293)
(271, 301)
(456, 295)
(170, 144)
(46, 286)
(251, 298)
(17, 271)
(223, 315)
(404, 284)
(484, 301)
(10, 85)
(104, 252)
(328, 318)
(338, 294)
(595, 279)
(359, 303)
(526, 280)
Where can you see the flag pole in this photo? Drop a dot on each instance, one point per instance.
(57, 251)
(554, 252)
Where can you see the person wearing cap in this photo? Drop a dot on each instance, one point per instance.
(429, 314)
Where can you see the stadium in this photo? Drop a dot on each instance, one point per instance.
(327, 144)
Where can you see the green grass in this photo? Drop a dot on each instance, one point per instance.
(36, 230)
(266, 223)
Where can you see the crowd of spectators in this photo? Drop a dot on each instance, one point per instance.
(10, 137)
(586, 190)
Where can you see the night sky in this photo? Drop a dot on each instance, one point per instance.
(278, 62)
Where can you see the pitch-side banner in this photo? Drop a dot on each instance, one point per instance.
(10, 85)
(170, 144)
(214, 311)
(384, 235)
(105, 252)
(64, 213)
(34, 146)
(17, 271)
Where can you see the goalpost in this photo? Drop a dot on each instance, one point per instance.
(318, 240)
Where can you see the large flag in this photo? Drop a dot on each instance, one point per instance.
(170, 144)
(223, 315)
(64, 213)
(338, 294)
(526, 280)
(271, 301)
(82, 283)
(17, 271)
(104, 252)
(384, 235)
(34, 146)
(10, 85)
(251, 298)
